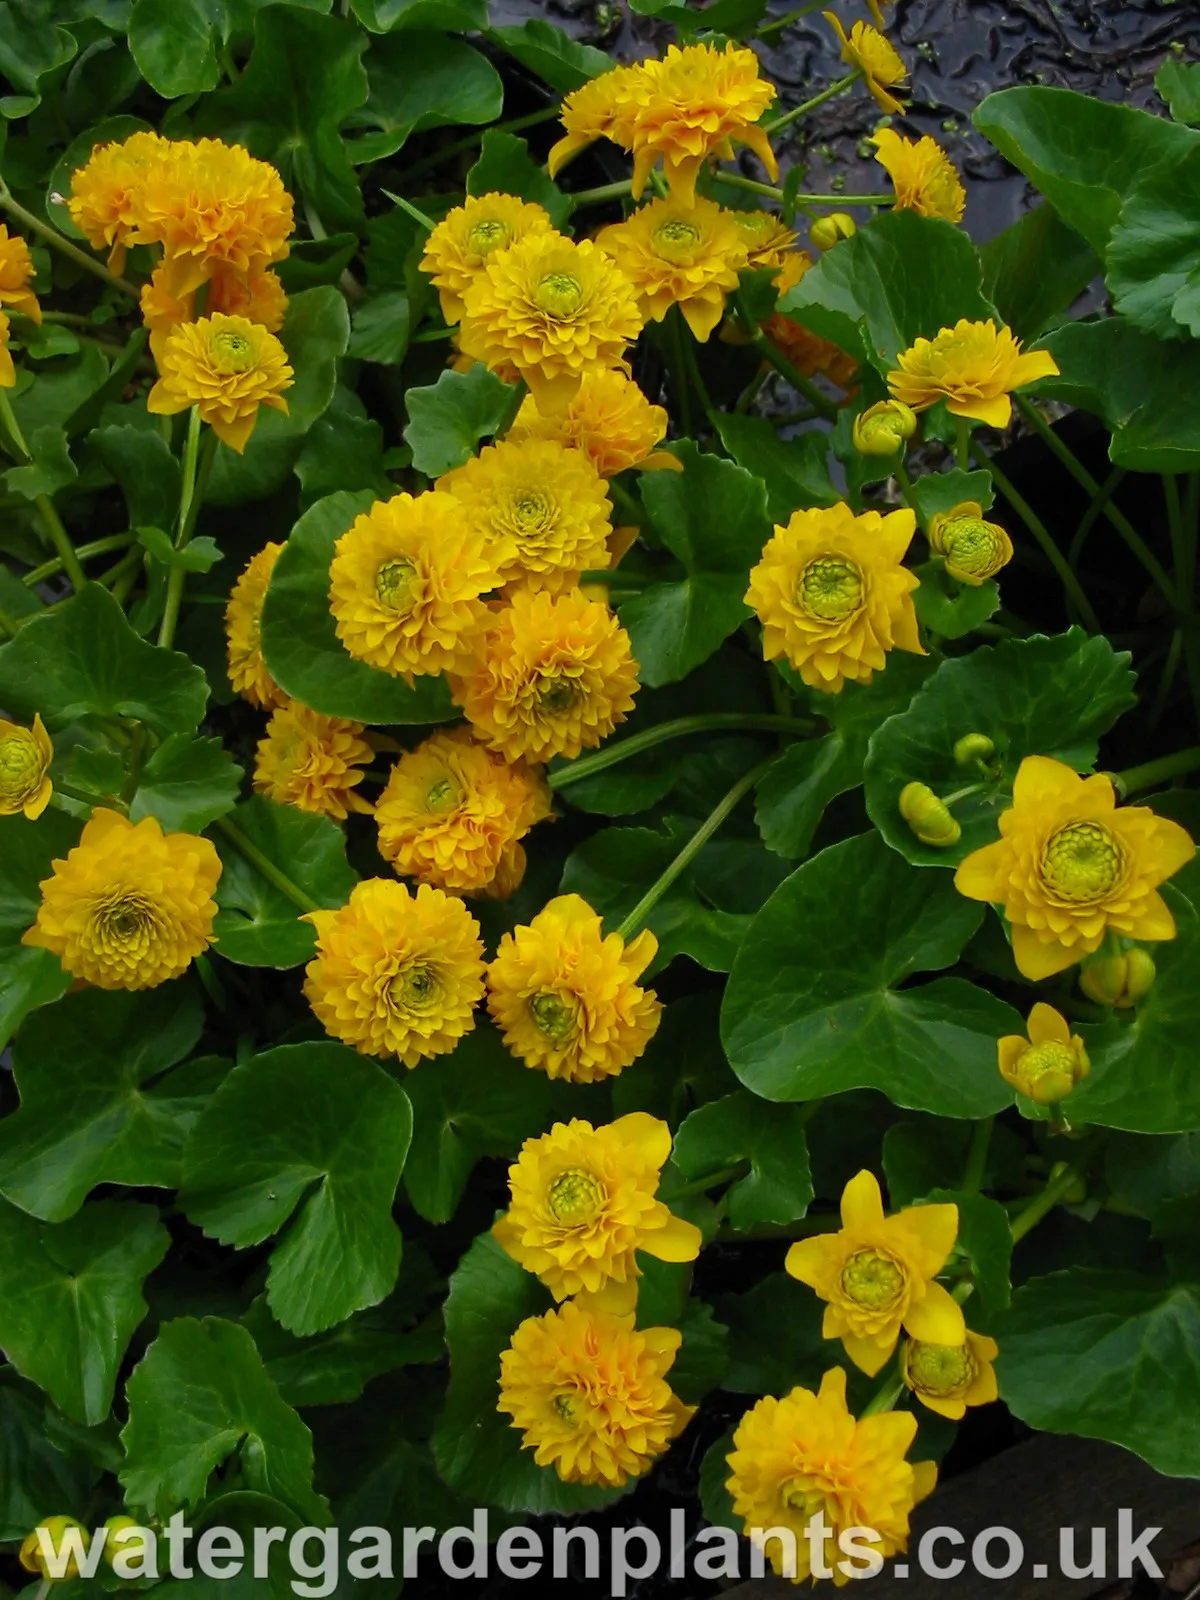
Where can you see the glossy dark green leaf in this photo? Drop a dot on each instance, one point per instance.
(985, 1239)
(140, 460)
(814, 1004)
(174, 43)
(314, 1135)
(311, 262)
(29, 977)
(1179, 84)
(343, 451)
(257, 923)
(739, 1127)
(61, 392)
(949, 609)
(31, 48)
(1036, 696)
(85, 658)
(379, 329)
(1034, 270)
(299, 638)
(682, 1067)
(775, 1338)
(936, 492)
(423, 80)
(35, 1474)
(198, 555)
(506, 166)
(71, 1297)
(449, 418)
(187, 783)
(795, 471)
(703, 1357)
(199, 1394)
(553, 55)
(713, 517)
(1154, 251)
(49, 470)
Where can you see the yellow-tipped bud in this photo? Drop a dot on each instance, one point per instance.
(884, 428)
(928, 817)
(973, 747)
(119, 1541)
(1118, 980)
(830, 230)
(1047, 1065)
(972, 548)
(30, 1555)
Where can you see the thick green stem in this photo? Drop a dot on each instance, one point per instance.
(802, 385)
(63, 245)
(703, 722)
(1056, 1189)
(606, 191)
(84, 552)
(719, 813)
(264, 865)
(981, 1143)
(50, 519)
(703, 1185)
(1152, 773)
(962, 442)
(191, 498)
(786, 21)
(1095, 510)
(885, 1397)
(806, 106)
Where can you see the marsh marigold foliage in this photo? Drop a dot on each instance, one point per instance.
(25, 757)
(590, 1393)
(878, 1274)
(566, 997)
(950, 1377)
(583, 1202)
(312, 762)
(243, 632)
(469, 235)
(805, 1455)
(677, 254)
(832, 595)
(130, 906)
(453, 814)
(814, 356)
(225, 366)
(1069, 865)
(922, 175)
(396, 973)
(609, 420)
(973, 366)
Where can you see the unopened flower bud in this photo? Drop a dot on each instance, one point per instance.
(928, 817)
(972, 548)
(119, 1541)
(973, 747)
(25, 756)
(31, 1557)
(884, 428)
(1118, 980)
(1047, 1065)
(830, 230)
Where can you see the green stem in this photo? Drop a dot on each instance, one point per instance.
(885, 1397)
(676, 332)
(772, 192)
(191, 497)
(1043, 1203)
(719, 813)
(981, 1141)
(1040, 532)
(606, 191)
(63, 245)
(1151, 773)
(98, 547)
(83, 796)
(784, 367)
(460, 146)
(806, 106)
(1095, 510)
(1163, 693)
(962, 443)
(789, 17)
(703, 722)
(703, 1185)
(50, 519)
(137, 756)
(263, 864)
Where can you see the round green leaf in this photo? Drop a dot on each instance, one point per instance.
(505, 166)
(447, 419)
(317, 1134)
(739, 1127)
(1038, 696)
(174, 43)
(813, 1004)
(300, 643)
(187, 783)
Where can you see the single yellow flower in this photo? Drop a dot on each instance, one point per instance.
(225, 366)
(25, 757)
(107, 190)
(698, 101)
(609, 420)
(602, 108)
(406, 580)
(814, 356)
(553, 675)
(312, 762)
(767, 238)
(869, 52)
(243, 622)
(31, 1557)
(1119, 981)
(16, 270)
(453, 813)
(1047, 1065)
(950, 1377)
(973, 366)
(466, 237)
(542, 502)
(583, 1204)
(832, 595)
(566, 997)
(259, 298)
(396, 974)
(551, 310)
(879, 1274)
(805, 1455)
(972, 548)
(884, 428)
(1068, 866)
(590, 1395)
(676, 254)
(922, 175)
(130, 906)
(8, 372)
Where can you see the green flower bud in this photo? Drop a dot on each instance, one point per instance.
(972, 548)
(928, 817)
(1118, 980)
(830, 230)
(884, 428)
(973, 747)
(31, 1557)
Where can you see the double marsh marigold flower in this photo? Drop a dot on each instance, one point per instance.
(25, 757)
(1047, 1065)
(542, 502)
(972, 548)
(878, 1274)
(673, 253)
(814, 356)
(602, 108)
(973, 366)
(566, 997)
(405, 583)
(130, 906)
(590, 1394)
(259, 298)
(950, 1377)
(553, 675)
(806, 1456)
(396, 974)
(243, 624)
(551, 310)
(225, 366)
(832, 595)
(464, 239)
(16, 270)
(874, 56)
(922, 175)
(312, 762)
(1069, 866)
(107, 191)
(767, 238)
(453, 814)
(609, 420)
(583, 1204)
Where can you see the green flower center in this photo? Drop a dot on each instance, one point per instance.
(554, 1015)
(559, 295)
(531, 509)
(441, 796)
(564, 1405)
(805, 1497)
(971, 543)
(940, 1369)
(1049, 1065)
(126, 919)
(231, 352)
(1082, 862)
(21, 768)
(575, 1197)
(393, 584)
(487, 236)
(557, 696)
(414, 989)
(872, 1279)
(676, 237)
(831, 588)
